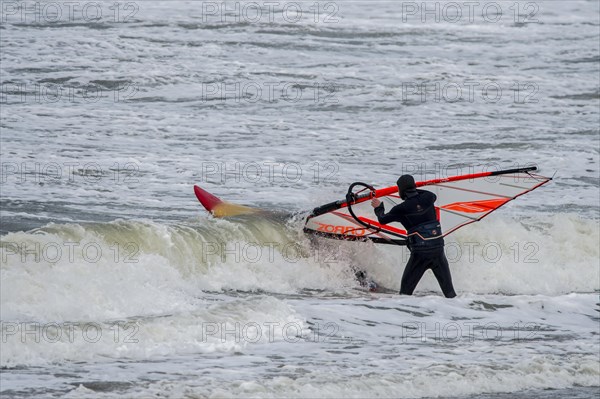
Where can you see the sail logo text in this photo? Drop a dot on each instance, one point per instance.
(349, 230)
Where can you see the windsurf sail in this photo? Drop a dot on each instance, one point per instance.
(461, 200)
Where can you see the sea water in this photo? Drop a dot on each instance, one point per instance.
(116, 283)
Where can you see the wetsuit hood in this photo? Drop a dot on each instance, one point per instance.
(406, 186)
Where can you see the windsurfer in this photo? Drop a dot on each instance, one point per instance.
(417, 214)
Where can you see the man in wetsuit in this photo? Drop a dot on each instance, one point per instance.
(417, 214)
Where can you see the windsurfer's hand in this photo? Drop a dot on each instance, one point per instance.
(375, 202)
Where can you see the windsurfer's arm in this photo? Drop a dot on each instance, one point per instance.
(382, 217)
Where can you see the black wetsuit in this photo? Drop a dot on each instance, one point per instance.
(417, 214)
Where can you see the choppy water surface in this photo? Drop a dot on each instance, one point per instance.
(115, 283)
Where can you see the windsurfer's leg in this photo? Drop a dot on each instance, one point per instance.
(441, 270)
(414, 270)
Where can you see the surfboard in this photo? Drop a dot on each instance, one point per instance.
(220, 208)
